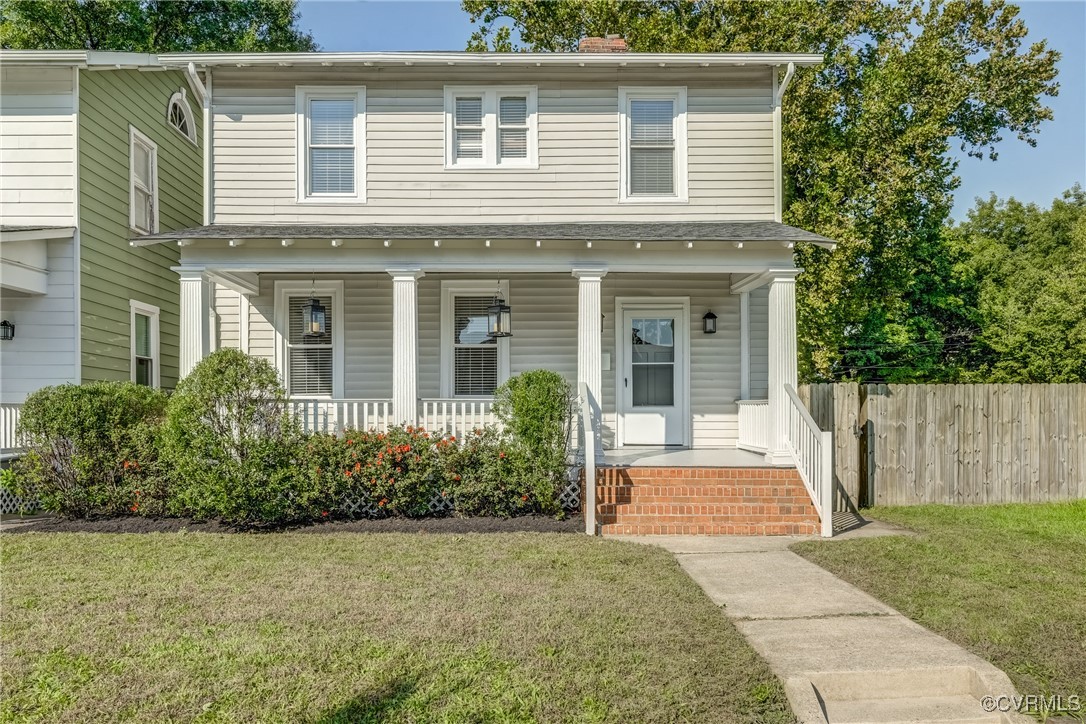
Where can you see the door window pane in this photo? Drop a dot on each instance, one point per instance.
(652, 354)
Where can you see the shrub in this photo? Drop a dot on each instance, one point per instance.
(487, 476)
(232, 447)
(401, 472)
(535, 409)
(89, 447)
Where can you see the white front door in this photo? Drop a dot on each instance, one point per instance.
(652, 402)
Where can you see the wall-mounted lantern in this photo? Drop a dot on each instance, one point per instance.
(710, 322)
(498, 318)
(7, 331)
(314, 318)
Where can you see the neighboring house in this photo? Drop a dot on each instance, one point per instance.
(94, 148)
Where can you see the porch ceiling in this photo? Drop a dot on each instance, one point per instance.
(735, 231)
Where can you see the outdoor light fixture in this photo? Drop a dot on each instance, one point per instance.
(710, 322)
(314, 317)
(497, 318)
(7, 331)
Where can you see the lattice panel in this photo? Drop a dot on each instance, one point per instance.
(11, 503)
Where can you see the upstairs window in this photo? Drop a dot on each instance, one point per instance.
(331, 130)
(179, 116)
(143, 182)
(653, 137)
(490, 127)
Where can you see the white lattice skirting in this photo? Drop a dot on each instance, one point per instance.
(11, 503)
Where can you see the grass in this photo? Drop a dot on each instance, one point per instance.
(366, 628)
(1007, 582)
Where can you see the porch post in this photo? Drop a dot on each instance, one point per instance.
(405, 345)
(782, 362)
(195, 333)
(589, 341)
(744, 345)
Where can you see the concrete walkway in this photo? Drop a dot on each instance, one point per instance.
(842, 655)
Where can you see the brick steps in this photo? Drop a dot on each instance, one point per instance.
(703, 501)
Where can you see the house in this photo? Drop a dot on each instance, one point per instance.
(95, 147)
(363, 211)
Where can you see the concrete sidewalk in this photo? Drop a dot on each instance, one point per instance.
(842, 655)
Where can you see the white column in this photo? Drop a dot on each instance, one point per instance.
(782, 363)
(195, 333)
(405, 345)
(744, 345)
(589, 340)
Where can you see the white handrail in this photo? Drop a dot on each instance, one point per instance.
(337, 415)
(812, 450)
(588, 444)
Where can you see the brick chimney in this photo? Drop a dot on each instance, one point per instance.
(606, 44)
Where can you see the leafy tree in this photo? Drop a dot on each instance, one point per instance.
(153, 26)
(866, 145)
(1025, 268)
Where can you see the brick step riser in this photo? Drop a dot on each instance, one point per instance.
(709, 529)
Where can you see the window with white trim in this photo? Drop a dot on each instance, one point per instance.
(653, 150)
(143, 182)
(473, 364)
(179, 116)
(144, 343)
(311, 365)
(331, 143)
(490, 127)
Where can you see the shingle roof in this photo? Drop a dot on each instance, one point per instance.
(746, 231)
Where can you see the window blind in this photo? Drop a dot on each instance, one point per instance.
(652, 147)
(144, 361)
(468, 126)
(309, 359)
(513, 127)
(475, 356)
(331, 146)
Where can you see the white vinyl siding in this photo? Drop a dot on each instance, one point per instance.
(331, 132)
(653, 145)
(490, 127)
(37, 146)
(544, 321)
(729, 138)
(143, 182)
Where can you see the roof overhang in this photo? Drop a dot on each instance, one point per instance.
(492, 59)
(104, 59)
(35, 233)
(734, 232)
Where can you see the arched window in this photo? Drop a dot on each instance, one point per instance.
(179, 116)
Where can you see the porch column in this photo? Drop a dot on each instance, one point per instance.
(195, 333)
(744, 345)
(782, 362)
(589, 341)
(405, 345)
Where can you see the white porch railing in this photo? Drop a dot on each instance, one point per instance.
(455, 417)
(812, 449)
(337, 415)
(9, 423)
(753, 425)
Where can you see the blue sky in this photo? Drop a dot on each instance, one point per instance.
(1030, 174)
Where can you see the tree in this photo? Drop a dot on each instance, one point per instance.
(1025, 268)
(866, 145)
(153, 26)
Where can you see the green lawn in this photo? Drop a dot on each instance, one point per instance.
(355, 628)
(1007, 582)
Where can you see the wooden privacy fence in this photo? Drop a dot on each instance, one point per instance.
(956, 444)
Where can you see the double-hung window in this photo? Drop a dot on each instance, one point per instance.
(653, 138)
(473, 364)
(143, 182)
(311, 364)
(144, 343)
(331, 143)
(490, 127)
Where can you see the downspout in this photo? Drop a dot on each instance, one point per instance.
(204, 92)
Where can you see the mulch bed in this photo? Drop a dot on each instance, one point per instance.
(526, 524)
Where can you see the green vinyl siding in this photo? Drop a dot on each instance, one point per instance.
(112, 272)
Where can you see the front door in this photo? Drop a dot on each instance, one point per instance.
(653, 385)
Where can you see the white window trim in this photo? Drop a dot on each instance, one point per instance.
(135, 136)
(302, 96)
(153, 312)
(298, 288)
(180, 98)
(490, 95)
(473, 288)
(677, 94)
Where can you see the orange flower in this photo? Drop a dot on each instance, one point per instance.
(134, 508)
(382, 502)
(524, 497)
(324, 513)
(501, 454)
(357, 467)
(346, 473)
(350, 442)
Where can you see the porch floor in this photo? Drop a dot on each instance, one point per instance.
(678, 457)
